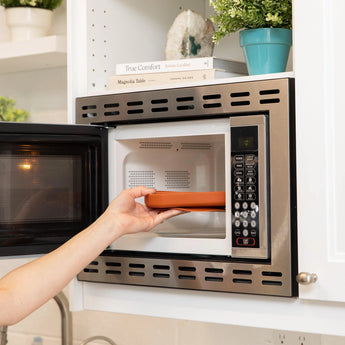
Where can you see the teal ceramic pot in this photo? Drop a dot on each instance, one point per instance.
(266, 50)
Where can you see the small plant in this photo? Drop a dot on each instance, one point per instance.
(8, 111)
(233, 15)
(45, 4)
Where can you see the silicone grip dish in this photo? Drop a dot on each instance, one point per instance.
(187, 201)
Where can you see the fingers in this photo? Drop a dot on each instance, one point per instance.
(161, 217)
(140, 191)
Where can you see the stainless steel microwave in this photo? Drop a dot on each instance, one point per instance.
(233, 137)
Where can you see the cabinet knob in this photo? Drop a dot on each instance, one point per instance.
(305, 278)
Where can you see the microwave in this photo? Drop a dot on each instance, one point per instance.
(235, 137)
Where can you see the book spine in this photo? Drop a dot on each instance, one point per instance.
(164, 66)
(130, 81)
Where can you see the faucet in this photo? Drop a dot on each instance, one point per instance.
(66, 325)
(97, 337)
(3, 335)
(66, 319)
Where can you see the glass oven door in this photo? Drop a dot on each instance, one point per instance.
(52, 184)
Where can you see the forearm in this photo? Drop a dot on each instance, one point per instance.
(30, 286)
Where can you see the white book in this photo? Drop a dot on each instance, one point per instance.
(148, 79)
(181, 65)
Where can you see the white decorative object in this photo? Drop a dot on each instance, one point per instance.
(26, 23)
(189, 36)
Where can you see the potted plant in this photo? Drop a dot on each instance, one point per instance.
(266, 36)
(8, 111)
(29, 19)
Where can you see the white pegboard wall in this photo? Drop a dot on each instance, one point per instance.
(121, 31)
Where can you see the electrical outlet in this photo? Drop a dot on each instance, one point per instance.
(295, 338)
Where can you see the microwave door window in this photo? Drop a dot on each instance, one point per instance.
(39, 189)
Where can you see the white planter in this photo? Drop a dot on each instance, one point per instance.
(26, 23)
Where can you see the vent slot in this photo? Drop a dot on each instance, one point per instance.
(206, 97)
(113, 264)
(159, 110)
(161, 267)
(272, 283)
(242, 272)
(89, 115)
(186, 277)
(177, 179)
(214, 270)
(113, 272)
(212, 105)
(239, 94)
(134, 104)
(161, 275)
(196, 146)
(269, 92)
(111, 113)
(90, 270)
(154, 145)
(137, 274)
(138, 178)
(239, 103)
(159, 101)
(136, 265)
(89, 107)
(214, 279)
(269, 101)
(185, 99)
(135, 111)
(185, 107)
(112, 105)
(272, 274)
(242, 281)
(93, 263)
(187, 269)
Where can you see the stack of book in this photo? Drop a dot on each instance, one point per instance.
(140, 74)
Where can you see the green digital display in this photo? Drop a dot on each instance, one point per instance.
(246, 143)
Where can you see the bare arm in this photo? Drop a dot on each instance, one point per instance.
(28, 287)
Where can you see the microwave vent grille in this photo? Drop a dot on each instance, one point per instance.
(196, 146)
(177, 179)
(182, 274)
(141, 177)
(271, 96)
(205, 101)
(272, 278)
(155, 145)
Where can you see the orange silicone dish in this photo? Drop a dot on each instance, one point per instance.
(189, 201)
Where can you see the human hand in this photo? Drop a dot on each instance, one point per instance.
(132, 217)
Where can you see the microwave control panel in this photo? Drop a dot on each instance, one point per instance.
(248, 190)
(245, 193)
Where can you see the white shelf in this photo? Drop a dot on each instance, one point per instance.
(39, 53)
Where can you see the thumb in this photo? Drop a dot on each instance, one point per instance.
(140, 191)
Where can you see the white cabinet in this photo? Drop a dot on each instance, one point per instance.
(103, 33)
(320, 122)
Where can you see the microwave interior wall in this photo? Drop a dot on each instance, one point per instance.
(185, 106)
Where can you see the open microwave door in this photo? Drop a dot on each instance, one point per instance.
(180, 157)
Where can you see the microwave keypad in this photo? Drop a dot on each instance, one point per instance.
(245, 192)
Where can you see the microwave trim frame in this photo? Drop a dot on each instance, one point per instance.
(275, 276)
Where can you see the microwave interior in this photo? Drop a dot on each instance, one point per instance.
(194, 163)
